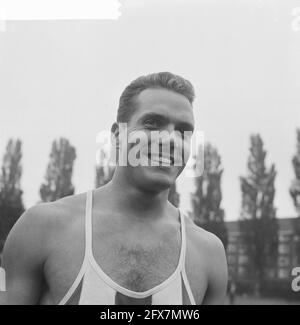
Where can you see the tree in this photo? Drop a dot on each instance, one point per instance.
(11, 203)
(258, 224)
(58, 179)
(174, 195)
(104, 171)
(295, 193)
(206, 200)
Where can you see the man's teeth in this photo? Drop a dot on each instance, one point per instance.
(161, 160)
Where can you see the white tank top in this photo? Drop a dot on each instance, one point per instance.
(93, 286)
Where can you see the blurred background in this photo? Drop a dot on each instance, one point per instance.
(60, 82)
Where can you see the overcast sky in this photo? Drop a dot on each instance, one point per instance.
(64, 78)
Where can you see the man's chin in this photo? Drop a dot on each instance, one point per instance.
(160, 178)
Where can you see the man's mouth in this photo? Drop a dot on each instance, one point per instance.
(161, 160)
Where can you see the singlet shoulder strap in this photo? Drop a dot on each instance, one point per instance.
(88, 248)
(183, 271)
(88, 224)
(183, 239)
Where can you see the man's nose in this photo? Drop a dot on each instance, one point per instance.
(170, 128)
(164, 146)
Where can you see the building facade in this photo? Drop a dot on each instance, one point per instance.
(280, 277)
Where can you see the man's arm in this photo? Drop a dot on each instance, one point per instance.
(23, 258)
(217, 274)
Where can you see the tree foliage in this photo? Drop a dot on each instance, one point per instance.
(58, 179)
(295, 192)
(104, 171)
(11, 203)
(258, 224)
(206, 200)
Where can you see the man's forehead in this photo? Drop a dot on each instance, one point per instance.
(163, 102)
(155, 96)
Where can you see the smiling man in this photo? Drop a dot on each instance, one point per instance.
(123, 243)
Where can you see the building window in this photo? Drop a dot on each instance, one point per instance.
(242, 271)
(242, 249)
(283, 261)
(283, 273)
(243, 259)
(284, 249)
(231, 259)
(281, 238)
(231, 248)
(271, 273)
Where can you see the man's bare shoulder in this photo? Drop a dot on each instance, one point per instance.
(43, 221)
(54, 214)
(204, 240)
(209, 251)
(60, 211)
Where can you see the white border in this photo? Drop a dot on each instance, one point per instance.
(59, 9)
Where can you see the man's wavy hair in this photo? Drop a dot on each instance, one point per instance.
(164, 80)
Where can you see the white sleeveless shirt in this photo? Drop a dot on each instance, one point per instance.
(93, 286)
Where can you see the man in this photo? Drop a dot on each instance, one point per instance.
(123, 243)
(231, 290)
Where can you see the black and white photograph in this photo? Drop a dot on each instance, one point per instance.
(150, 153)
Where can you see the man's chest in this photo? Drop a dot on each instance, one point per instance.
(138, 265)
(134, 264)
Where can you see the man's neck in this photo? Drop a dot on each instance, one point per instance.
(132, 200)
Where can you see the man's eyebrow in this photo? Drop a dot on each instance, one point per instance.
(185, 126)
(148, 116)
(163, 119)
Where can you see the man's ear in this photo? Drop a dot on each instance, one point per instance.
(115, 131)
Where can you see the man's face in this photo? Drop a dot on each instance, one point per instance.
(160, 111)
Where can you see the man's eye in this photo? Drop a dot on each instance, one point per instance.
(180, 133)
(151, 123)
